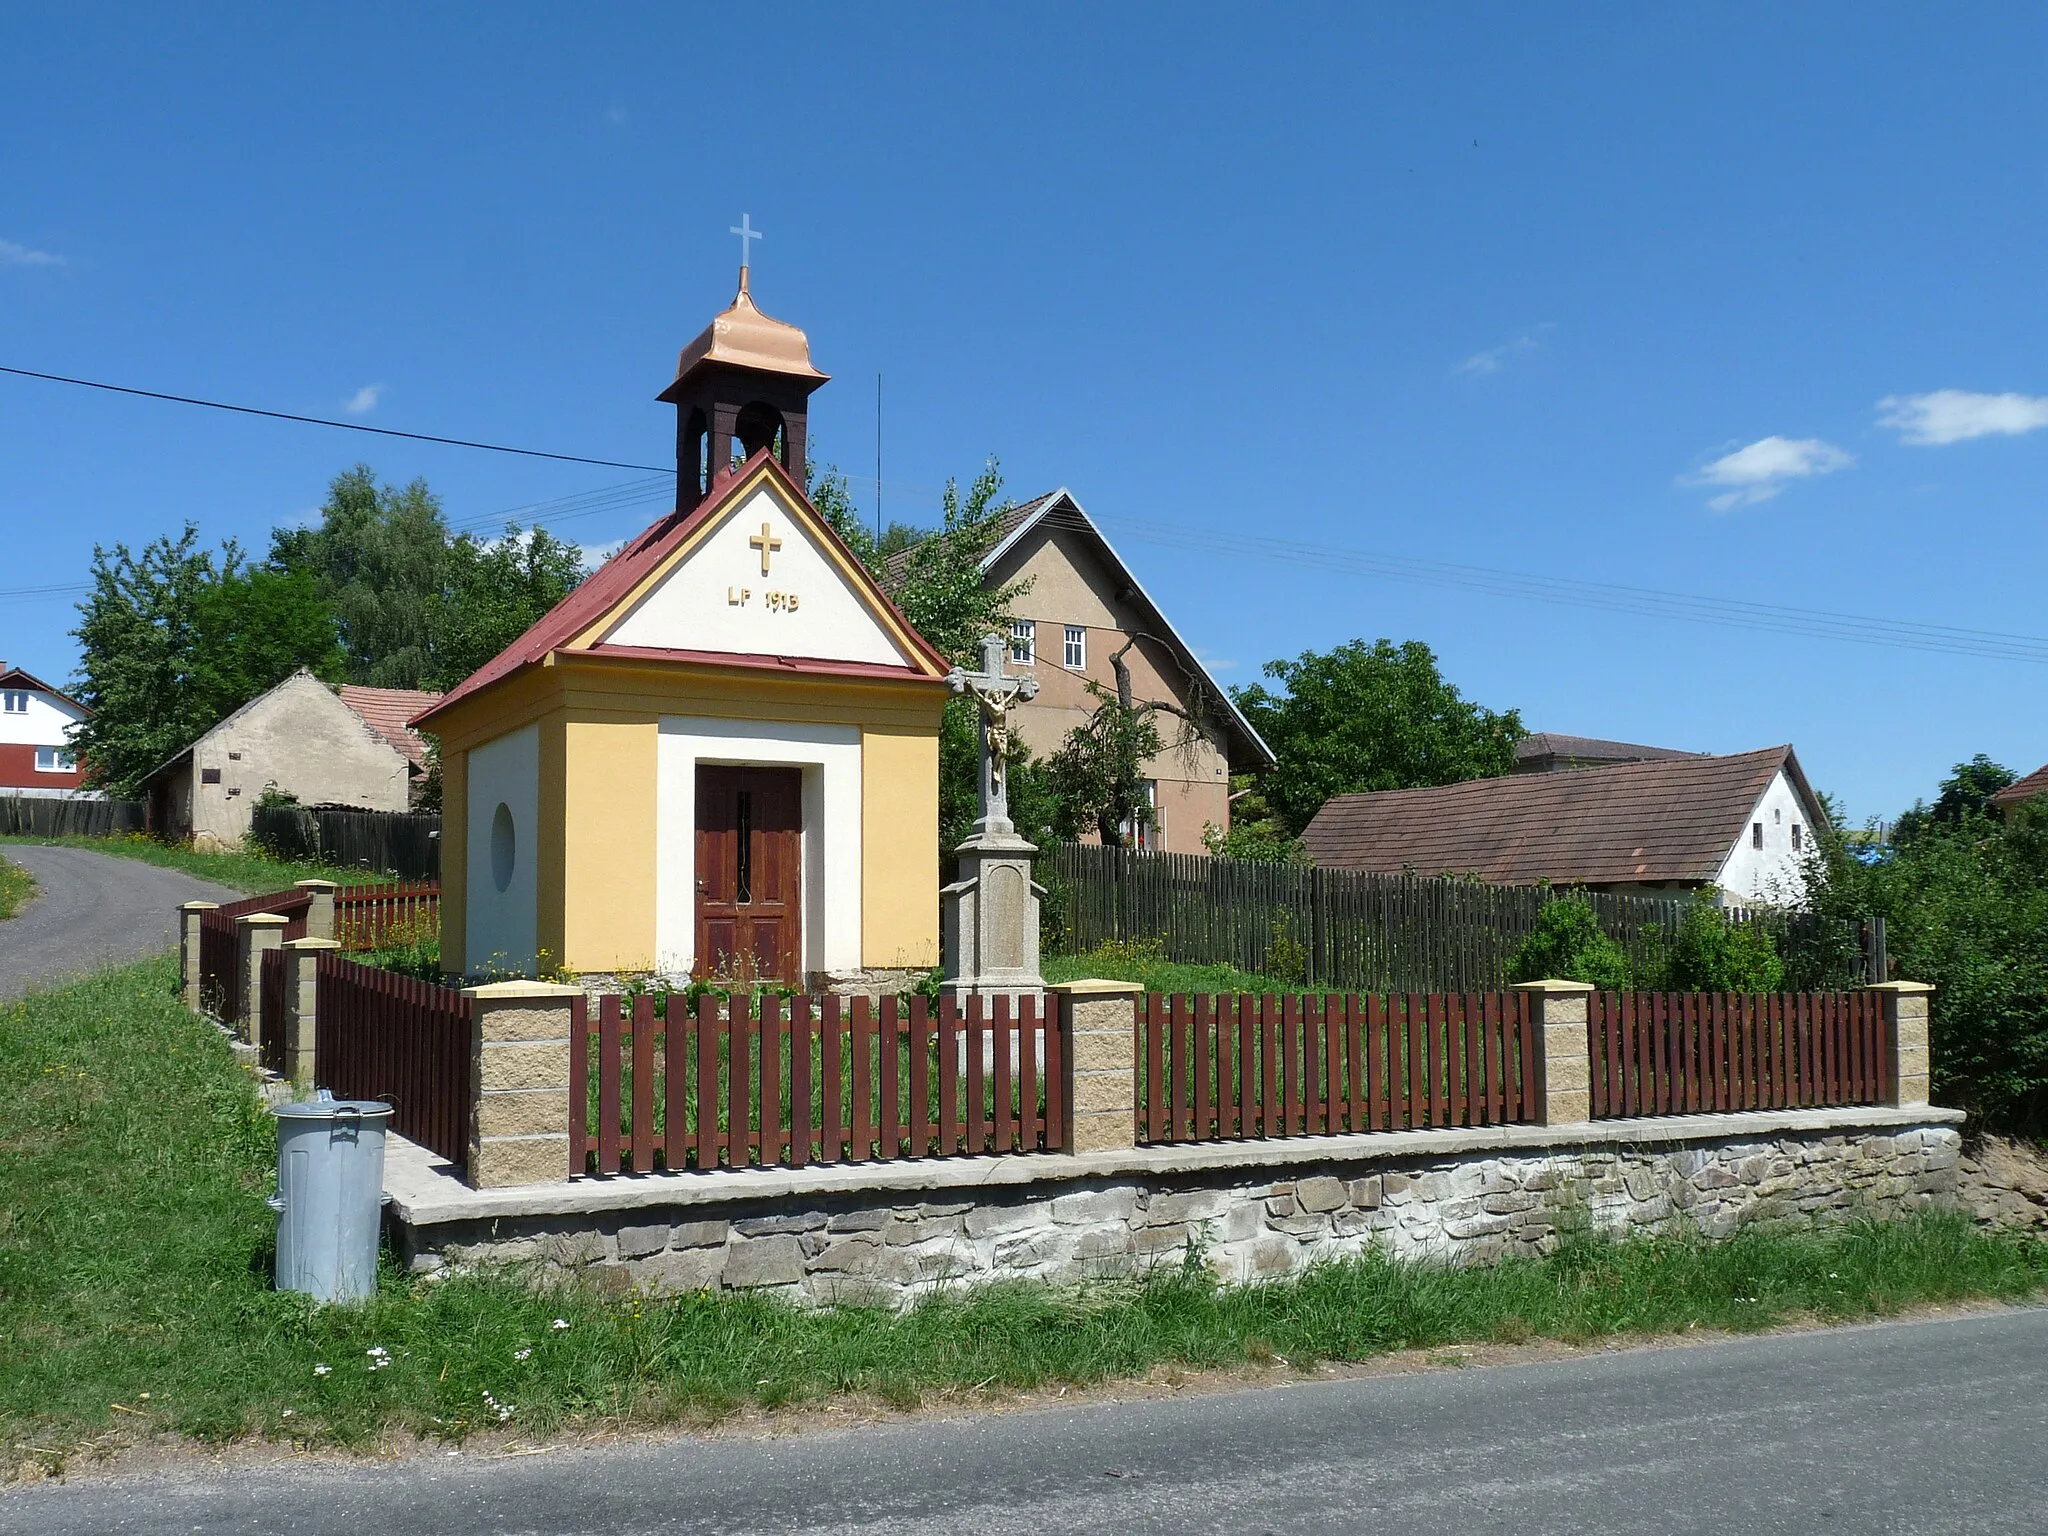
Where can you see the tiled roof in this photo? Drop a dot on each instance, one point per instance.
(2022, 790)
(1547, 749)
(1008, 521)
(15, 677)
(386, 710)
(1671, 819)
(612, 581)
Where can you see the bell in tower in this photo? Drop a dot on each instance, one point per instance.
(741, 386)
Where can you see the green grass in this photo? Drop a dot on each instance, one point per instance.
(254, 873)
(17, 885)
(1137, 962)
(134, 1250)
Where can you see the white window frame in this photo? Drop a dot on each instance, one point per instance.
(61, 760)
(14, 701)
(1024, 642)
(1076, 652)
(1144, 834)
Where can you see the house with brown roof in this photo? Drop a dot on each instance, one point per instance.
(301, 737)
(387, 711)
(36, 725)
(1737, 827)
(1085, 618)
(2020, 791)
(1554, 752)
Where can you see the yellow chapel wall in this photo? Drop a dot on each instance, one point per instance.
(609, 800)
(454, 860)
(899, 906)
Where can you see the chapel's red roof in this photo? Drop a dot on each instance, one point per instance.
(608, 586)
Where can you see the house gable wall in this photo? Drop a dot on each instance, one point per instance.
(1771, 874)
(1071, 584)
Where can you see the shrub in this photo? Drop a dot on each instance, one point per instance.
(1568, 944)
(1706, 952)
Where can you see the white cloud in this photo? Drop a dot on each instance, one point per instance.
(595, 555)
(13, 254)
(1956, 415)
(1760, 471)
(364, 400)
(1493, 359)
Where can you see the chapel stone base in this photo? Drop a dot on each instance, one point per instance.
(988, 919)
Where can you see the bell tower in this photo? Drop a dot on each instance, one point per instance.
(744, 384)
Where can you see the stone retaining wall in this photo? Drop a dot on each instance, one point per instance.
(1474, 1206)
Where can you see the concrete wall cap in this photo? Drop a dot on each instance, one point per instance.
(312, 943)
(1553, 986)
(199, 906)
(1902, 988)
(1095, 986)
(263, 920)
(492, 991)
(315, 886)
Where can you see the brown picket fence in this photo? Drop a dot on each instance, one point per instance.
(270, 994)
(366, 916)
(806, 1080)
(1237, 1068)
(1690, 1053)
(220, 988)
(378, 1035)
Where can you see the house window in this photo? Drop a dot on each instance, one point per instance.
(1024, 641)
(1077, 647)
(1756, 834)
(16, 701)
(55, 760)
(1795, 837)
(1145, 831)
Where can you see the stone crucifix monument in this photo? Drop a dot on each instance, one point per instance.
(988, 918)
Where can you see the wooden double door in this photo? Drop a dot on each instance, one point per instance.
(750, 874)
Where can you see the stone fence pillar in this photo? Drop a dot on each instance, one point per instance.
(255, 934)
(320, 915)
(188, 950)
(1560, 1079)
(1100, 1021)
(1905, 1026)
(520, 1036)
(301, 1002)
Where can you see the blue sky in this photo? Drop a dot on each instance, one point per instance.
(1740, 302)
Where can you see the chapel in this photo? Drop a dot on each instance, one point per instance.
(718, 756)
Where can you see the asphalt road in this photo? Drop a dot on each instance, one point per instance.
(1912, 1427)
(92, 909)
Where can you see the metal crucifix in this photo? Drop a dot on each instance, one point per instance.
(996, 692)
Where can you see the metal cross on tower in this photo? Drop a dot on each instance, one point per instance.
(996, 692)
(748, 235)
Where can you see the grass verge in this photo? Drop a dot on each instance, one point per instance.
(254, 873)
(17, 885)
(1124, 962)
(135, 1247)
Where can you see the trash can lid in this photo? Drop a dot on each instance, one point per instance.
(325, 1106)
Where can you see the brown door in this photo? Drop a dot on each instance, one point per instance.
(749, 873)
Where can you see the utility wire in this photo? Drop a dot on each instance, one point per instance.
(322, 421)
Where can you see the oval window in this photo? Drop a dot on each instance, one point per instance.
(504, 846)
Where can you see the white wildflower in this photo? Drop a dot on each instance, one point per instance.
(522, 1354)
(322, 1370)
(559, 1323)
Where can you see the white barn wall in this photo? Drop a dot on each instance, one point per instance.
(501, 925)
(1774, 872)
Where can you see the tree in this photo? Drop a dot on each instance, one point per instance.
(1098, 773)
(937, 582)
(416, 607)
(493, 590)
(1255, 832)
(1965, 796)
(1965, 903)
(1363, 717)
(175, 638)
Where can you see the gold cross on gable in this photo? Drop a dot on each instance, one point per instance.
(767, 543)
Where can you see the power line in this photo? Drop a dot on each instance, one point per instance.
(1646, 602)
(322, 421)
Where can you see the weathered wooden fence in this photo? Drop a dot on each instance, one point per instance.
(398, 843)
(1684, 1053)
(810, 1080)
(382, 1036)
(1365, 932)
(49, 816)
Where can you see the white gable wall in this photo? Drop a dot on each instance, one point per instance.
(1772, 873)
(718, 600)
(46, 723)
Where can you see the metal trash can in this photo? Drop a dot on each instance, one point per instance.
(330, 1196)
